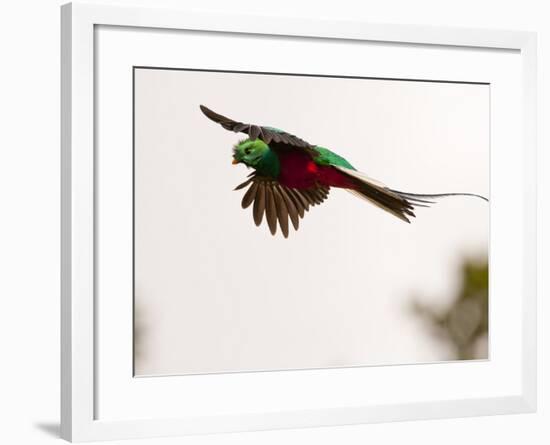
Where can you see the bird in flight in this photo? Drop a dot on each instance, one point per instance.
(291, 175)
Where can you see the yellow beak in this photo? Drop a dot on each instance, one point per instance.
(234, 161)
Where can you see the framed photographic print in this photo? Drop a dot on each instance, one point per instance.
(277, 223)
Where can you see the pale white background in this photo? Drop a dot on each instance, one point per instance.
(29, 227)
(339, 291)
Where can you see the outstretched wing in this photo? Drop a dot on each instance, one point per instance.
(279, 203)
(275, 138)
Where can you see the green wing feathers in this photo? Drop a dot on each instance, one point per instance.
(327, 157)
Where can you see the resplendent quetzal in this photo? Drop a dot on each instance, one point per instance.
(290, 175)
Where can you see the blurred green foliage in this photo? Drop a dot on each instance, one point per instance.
(464, 324)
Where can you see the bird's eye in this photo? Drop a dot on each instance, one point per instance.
(247, 151)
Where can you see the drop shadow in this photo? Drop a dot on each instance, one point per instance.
(50, 428)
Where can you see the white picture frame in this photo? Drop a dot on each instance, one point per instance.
(82, 373)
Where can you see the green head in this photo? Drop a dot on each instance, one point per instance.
(249, 152)
(258, 155)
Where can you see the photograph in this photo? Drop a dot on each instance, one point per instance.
(287, 221)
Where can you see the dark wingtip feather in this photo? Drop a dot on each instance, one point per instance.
(291, 207)
(282, 210)
(249, 196)
(259, 205)
(271, 211)
(243, 185)
(207, 111)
